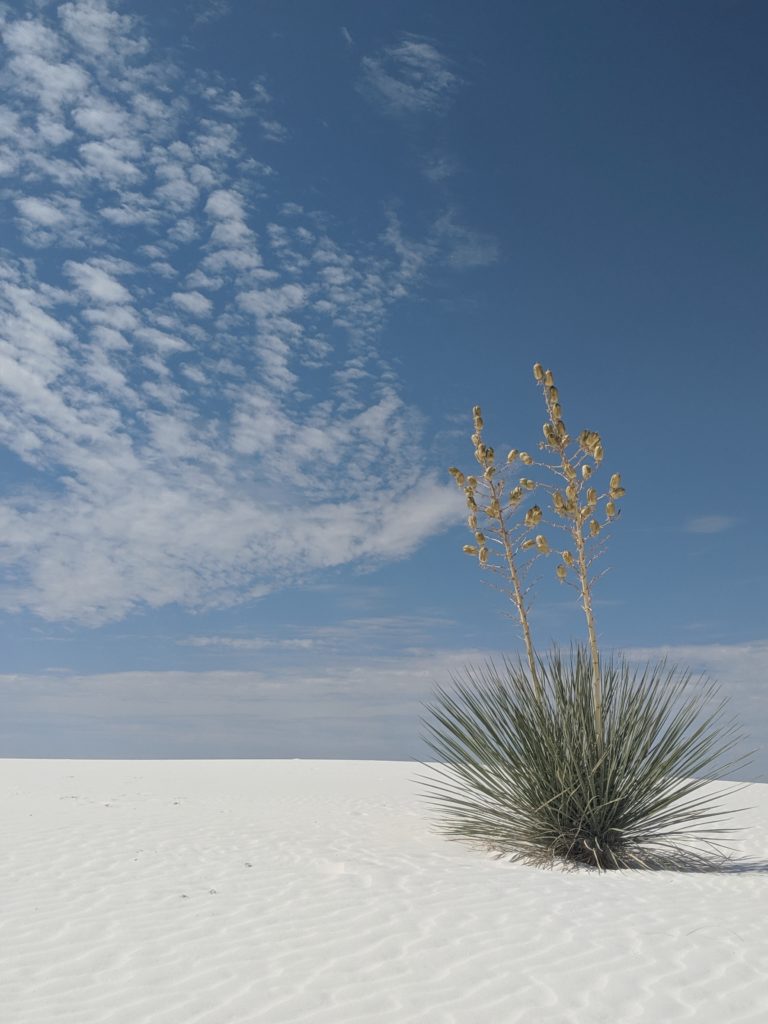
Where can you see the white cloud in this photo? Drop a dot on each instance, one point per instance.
(438, 167)
(98, 285)
(98, 30)
(460, 246)
(412, 77)
(273, 301)
(710, 524)
(40, 211)
(207, 11)
(193, 302)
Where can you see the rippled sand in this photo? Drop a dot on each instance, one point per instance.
(231, 892)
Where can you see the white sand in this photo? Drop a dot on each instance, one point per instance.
(226, 892)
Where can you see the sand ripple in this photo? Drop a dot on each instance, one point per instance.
(275, 892)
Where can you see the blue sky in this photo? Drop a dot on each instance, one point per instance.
(257, 264)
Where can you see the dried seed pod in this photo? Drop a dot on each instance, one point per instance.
(476, 410)
(558, 501)
(516, 495)
(549, 433)
(472, 522)
(469, 549)
(479, 422)
(586, 471)
(526, 458)
(617, 492)
(561, 572)
(572, 490)
(527, 484)
(472, 482)
(568, 558)
(542, 544)
(591, 496)
(538, 371)
(610, 509)
(489, 472)
(549, 380)
(475, 439)
(492, 511)
(553, 394)
(471, 503)
(533, 516)
(594, 527)
(615, 481)
(597, 453)
(489, 455)
(530, 543)
(480, 537)
(588, 439)
(483, 555)
(512, 454)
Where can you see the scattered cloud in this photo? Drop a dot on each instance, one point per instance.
(710, 524)
(253, 643)
(461, 246)
(347, 36)
(411, 77)
(207, 11)
(438, 167)
(378, 635)
(188, 359)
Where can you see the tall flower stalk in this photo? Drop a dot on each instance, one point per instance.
(577, 507)
(498, 542)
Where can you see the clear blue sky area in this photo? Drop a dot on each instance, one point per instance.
(257, 264)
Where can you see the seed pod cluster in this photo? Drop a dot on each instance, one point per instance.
(589, 441)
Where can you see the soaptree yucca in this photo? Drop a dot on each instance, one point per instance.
(570, 759)
(526, 772)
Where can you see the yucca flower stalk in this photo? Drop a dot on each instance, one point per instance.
(578, 506)
(491, 508)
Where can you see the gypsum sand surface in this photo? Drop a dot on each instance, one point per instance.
(277, 891)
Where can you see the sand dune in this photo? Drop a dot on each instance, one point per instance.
(231, 892)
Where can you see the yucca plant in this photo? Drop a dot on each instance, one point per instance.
(526, 773)
(570, 759)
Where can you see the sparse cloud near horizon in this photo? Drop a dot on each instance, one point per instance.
(362, 706)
